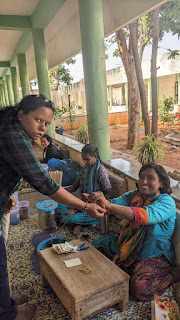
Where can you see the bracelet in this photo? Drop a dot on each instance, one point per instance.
(86, 207)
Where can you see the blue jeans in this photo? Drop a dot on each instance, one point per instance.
(8, 310)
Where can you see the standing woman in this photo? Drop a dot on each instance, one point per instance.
(28, 120)
(50, 149)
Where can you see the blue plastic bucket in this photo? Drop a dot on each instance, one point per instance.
(48, 243)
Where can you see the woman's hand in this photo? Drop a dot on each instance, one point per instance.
(11, 204)
(98, 198)
(95, 211)
(85, 197)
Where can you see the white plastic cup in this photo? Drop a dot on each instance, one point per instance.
(14, 215)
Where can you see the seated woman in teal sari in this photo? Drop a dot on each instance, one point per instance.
(93, 177)
(143, 248)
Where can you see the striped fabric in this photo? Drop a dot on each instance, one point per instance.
(150, 276)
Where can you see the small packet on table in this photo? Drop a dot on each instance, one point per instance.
(64, 248)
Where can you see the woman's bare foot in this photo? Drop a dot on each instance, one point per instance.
(26, 313)
(76, 230)
(19, 298)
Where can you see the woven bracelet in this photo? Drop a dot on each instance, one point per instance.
(86, 207)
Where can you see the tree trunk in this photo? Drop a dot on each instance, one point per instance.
(56, 77)
(154, 71)
(133, 90)
(134, 42)
(141, 51)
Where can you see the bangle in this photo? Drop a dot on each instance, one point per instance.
(86, 207)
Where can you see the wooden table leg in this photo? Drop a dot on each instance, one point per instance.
(123, 304)
(44, 282)
(76, 315)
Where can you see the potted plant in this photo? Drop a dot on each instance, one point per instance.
(58, 114)
(82, 134)
(149, 150)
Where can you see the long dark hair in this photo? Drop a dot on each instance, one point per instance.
(90, 149)
(28, 103)
(47, 137)
(162, 174)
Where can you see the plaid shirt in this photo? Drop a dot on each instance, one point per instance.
(18, 160)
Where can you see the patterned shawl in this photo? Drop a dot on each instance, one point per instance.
(90, 178)
(133, 233)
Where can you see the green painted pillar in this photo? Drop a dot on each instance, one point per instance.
(92, 38)
(42, 68)
(2, 95)
(110, 97)
(9, 89)
(149, 96)
(23, 74)
(126, 95)
(15, 84)
(5, 93)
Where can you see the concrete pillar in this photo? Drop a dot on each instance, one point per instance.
(42, 68)
(149, 96)
(126, 95)
(5, 93)
(2, 94)
(10, 90)
(23, 74)
(92, 38)
(15, 84)
(110, 89)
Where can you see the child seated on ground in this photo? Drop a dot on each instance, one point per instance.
(92, 177)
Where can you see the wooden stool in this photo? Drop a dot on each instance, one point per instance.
(84, 294)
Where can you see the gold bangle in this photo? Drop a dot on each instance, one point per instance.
(86, 207)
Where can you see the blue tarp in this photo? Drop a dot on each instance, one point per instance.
(69, 168)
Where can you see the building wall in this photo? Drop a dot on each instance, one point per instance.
(80, 120)
(166, 72)
(167, 86)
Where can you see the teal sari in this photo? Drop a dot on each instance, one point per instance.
(88, 186)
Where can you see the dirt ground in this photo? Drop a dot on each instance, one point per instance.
(118, 141)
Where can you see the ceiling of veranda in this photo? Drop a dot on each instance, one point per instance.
(60, 21)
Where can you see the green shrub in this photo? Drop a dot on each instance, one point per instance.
(164, 111)
(149, 150)
(82, 134)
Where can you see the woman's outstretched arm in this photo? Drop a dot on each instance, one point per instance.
(64, 197)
